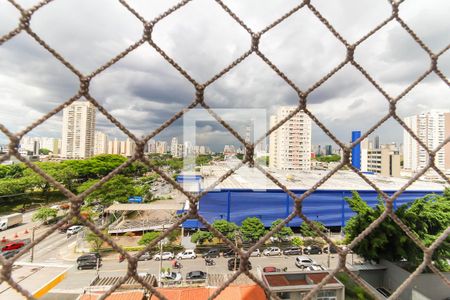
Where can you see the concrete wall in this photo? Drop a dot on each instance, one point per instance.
(427, 285)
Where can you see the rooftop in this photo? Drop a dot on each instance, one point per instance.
(297, 279)
(251, 178)
(38, 279)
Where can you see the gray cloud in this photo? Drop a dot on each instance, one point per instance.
(142, 91)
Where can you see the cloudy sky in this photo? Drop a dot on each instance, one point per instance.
(143, 90)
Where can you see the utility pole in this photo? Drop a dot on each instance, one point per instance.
(32, 241)
(329, 249)
(160, 256)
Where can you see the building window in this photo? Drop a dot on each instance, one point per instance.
(327, 295)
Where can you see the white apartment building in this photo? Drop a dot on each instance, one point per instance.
(78, 130)
(130, 147)
(175, 147)
(161, 147)
(100, 143)
(290, 145)
(432, 128)
(34, 144)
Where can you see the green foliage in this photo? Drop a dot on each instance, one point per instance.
(352, 290)
(95, 241)
(297, 241)
(226, 228)
(252, 229)
(148, 237)
(203, 159)
(44, 151)
(263, 160)
(306, 230)
(240, 156)
(329, 158)
(12, 171)
(118, 188)
(283, 233)
(44, 214)
(200, 237)
(427, 218)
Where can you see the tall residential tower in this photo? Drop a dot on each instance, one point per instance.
(432, 128)
(290, 145)
(78, 130)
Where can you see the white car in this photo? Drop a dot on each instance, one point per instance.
(74, 229)
(304, 262)
(55, 207)
(187, 254)
(164, 256)
(315, 267)
(256, 253)
(171, 276)
(272, 251)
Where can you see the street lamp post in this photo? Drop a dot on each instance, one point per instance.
(160, 256)
(32, 241)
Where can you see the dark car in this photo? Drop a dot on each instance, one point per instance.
(234, 264)
(212, 253)
(196, 276)
(229, 253)
(333, 250)
(9, 254)
(90, 256)
(312, 250)
(88, 264)
(145, 256)
(292, 251)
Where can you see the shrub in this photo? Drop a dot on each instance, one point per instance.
(130, 234)
(296, 241)
(200, 237)
(148, 237)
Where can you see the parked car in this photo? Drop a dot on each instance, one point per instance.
(187, 254)
(145, 256)
(315, 267)
(333, 250)
(256, 253)
(234, 264)
(312, 250)
(88, 264)
(9, 254)
(74, 229)
(164, 256)
(171, 276)
(212, 253)
(196, 276)
(89, 256)
(271, 251)
(13, 246)
(293, 251)
(229, 253)
(273, 269)
(63, 228)
(304, 262)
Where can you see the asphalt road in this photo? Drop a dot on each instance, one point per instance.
(76, 280)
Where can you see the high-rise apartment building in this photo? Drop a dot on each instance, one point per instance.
(290, 144)
(78, 132)
(174, 148)
(432, 128)
(130, 147)
(161, 147)
(100, 143)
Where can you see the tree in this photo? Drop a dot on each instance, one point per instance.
(296, 241)
(252, 229)
(426, 217)
(118, 188)
(228, 229)
(44, 214)
(200, 237)
(307, 230)
(148, 237)
(283, 233)
(95, 241)
(44, 151)
(329, 158)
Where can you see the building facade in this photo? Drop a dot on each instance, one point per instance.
(101, 142)
(78, 132)
(432, 128)
(290, 144)
(384, 160)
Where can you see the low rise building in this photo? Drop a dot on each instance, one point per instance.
(295, 285)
